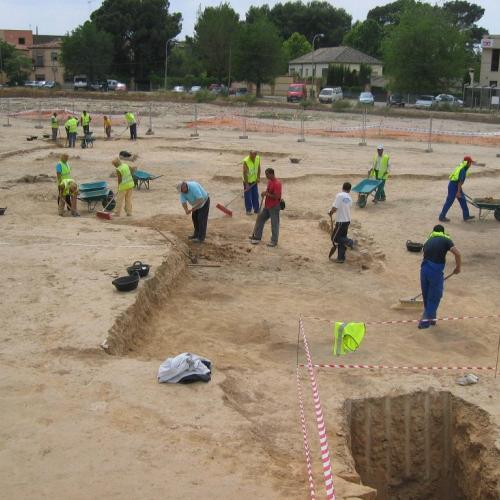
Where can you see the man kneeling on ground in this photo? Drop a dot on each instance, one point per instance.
(68, 192)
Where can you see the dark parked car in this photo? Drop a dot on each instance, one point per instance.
(397, 100)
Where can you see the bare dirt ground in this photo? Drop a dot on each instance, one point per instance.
(81, 423)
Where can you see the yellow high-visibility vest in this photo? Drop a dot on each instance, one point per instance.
(127, 181)
(85, 119)
(347, 337)
(65, 171)
(130, 118)
(66, 184)
(253, 168)
(383, 173)
(456, 173)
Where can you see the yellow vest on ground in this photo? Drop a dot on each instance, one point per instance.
(65, 184)
(54, 123)
(130, 118)
(383, 173)
(71, 125)
(456, 173)
(347, 337)
(127, 181)
(85, 119)
(65, 171)
(253, 168)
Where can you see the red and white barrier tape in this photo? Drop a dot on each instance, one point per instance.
(403, 321)
(320, 421)
(387, 367)
(307, 449)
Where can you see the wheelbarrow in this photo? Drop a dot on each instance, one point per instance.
(142, 178)
(487, 205)
(92, 186)
(364, 189)
(92, 198)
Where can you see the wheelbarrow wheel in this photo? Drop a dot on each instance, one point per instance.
(362, 200)
(496, 213)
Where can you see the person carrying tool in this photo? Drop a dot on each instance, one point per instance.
(380, 170)
(271, 210)
(193, 193)
(85, 120)
(68, 193)
(107, 127)
(71, 127)
(132, 125)
(251, 178)
(54, 124)
(431, 272)
(63, 171)
(457, 179)
(125, 187)
(341, 207)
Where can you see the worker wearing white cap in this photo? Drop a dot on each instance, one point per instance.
(380, 170)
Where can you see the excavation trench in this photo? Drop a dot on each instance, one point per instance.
(430, 445)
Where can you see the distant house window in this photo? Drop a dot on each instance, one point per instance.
(39, 78)
(53, 56)
(39, 60)
(493, 83)
(495, 58)
(21, 41)
(307, 72)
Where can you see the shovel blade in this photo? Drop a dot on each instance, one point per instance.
(222, 208)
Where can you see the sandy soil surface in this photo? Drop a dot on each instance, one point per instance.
(80, 423)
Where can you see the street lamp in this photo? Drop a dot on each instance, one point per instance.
(317, 35)
(166, 61)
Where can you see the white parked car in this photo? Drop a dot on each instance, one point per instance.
(121, 87)
(179, 89)
(330, 94)
(424, 102)
(448, 99)
(366, 98)
(195, 88)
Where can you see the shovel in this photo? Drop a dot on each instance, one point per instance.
(413, 302)
(223, 208)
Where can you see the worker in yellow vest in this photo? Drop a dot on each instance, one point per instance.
(71, 127)
(125, 187)
(107, 127)
(63, 171)
(251, 178)
(85, 120)
(380, 170)
(132, 125)
(68, 193)
(457, 178)
(54, 125)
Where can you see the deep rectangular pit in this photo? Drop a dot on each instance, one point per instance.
(424, 445)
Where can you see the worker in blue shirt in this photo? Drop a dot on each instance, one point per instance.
(457, 178)
(431, 272)
(193, 193)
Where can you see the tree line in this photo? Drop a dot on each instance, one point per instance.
(424, 47)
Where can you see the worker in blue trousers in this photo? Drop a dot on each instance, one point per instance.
(455, 192)
(431, 272)
(251, 179)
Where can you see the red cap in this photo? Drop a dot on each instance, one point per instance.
(468, 159)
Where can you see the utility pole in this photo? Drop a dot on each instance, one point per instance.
(166, 62)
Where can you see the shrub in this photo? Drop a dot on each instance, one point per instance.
(205, 96)
(342, 105)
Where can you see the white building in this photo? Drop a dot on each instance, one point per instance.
(490, 61)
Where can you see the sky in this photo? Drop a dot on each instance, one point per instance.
(56, 17)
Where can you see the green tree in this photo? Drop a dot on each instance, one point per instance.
(465, 15)
(296, 46)
(259, 57)
(389, 14)
(87, 51)
(365, 36)
(306, 18)
(140, 30)
(15, 64)
(215, 37)
(425, 52)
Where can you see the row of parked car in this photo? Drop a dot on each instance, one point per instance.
(42, 84)
(215, 88)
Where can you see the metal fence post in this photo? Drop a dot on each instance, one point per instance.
(39, 124)
(195, 133)
(7, 124)
(244, 135)
(363, 129)
(429, 143)
(150, 129)
(301, 133)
